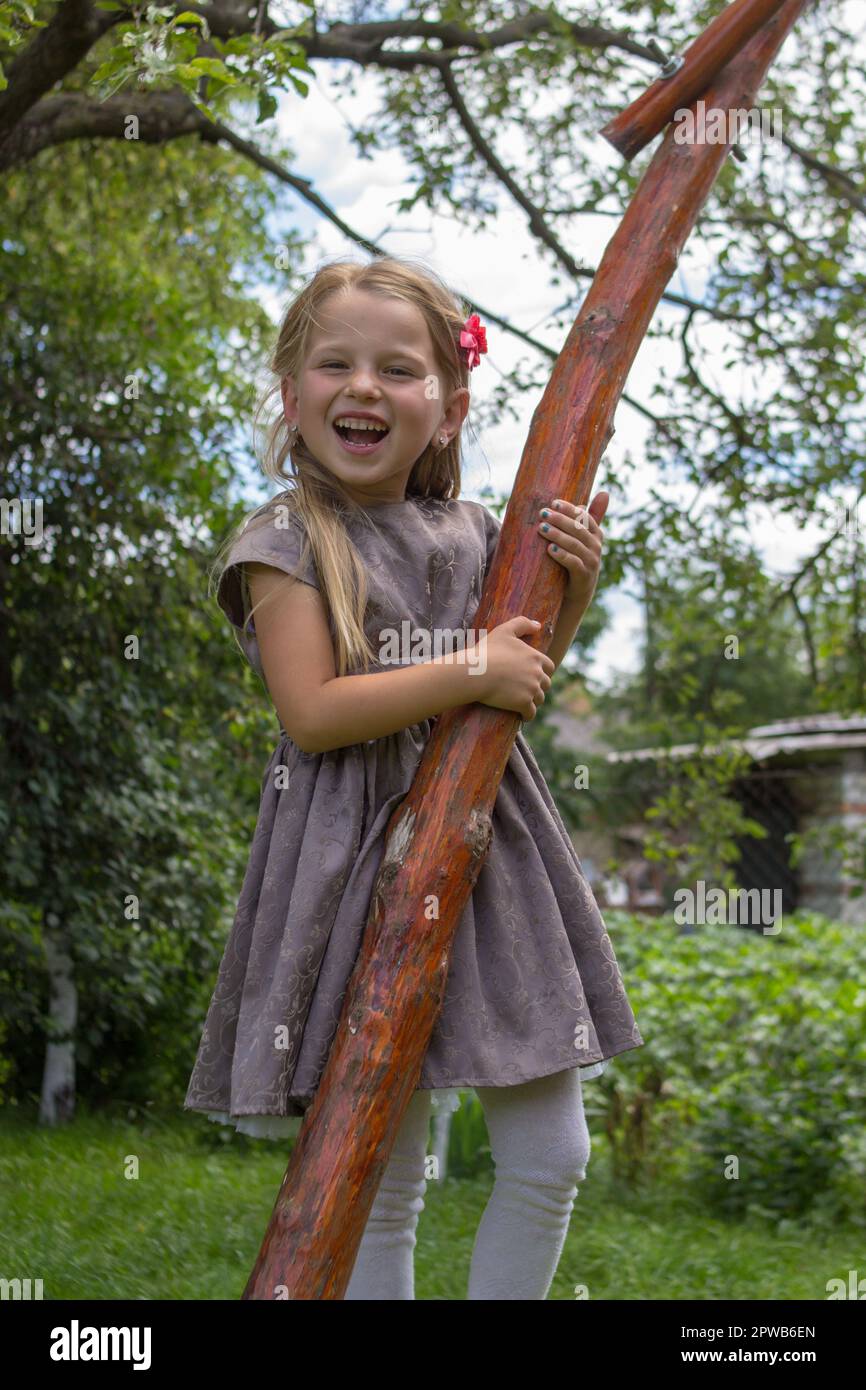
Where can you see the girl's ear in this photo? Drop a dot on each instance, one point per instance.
(290, 398)
(457, 408)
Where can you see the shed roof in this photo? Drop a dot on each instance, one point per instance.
(812, 732)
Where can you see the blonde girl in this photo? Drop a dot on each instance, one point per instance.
(340, 589)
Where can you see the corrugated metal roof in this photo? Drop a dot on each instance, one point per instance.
(814, 732)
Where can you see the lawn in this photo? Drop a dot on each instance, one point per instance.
(187, 1223)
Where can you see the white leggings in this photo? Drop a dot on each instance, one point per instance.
(540, 1145)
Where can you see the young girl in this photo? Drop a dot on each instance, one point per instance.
(373, 364)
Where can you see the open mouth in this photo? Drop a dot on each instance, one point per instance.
(361, 441)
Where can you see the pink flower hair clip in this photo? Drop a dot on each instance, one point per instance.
(473, 338)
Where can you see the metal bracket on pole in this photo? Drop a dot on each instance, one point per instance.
(669, 65)
(672, 64)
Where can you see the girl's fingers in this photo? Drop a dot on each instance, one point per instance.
(579, 545)
(581, 516)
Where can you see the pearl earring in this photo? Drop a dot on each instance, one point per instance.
(443, 440)
(293, 434)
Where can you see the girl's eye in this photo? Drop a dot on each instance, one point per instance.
(404, 370)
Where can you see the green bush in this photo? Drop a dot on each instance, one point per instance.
(750, 1088)
(754, 1051)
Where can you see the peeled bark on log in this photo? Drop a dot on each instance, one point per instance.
(702, 61)
(439, 834)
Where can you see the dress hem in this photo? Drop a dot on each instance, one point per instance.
(228, 1118)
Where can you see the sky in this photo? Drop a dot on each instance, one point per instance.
(500, 266)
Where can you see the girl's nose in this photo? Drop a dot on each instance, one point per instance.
(364, 383)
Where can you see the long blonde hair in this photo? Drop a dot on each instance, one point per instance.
(316, 496)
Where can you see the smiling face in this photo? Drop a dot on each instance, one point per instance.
(371, 356)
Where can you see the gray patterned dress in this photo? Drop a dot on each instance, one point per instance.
(533, 987)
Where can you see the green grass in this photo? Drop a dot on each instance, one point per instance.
(189, 1225)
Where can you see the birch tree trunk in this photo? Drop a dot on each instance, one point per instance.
(57, 1101)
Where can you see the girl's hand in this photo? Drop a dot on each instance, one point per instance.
(516, 675)
(575, 541)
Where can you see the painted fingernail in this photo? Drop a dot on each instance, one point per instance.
(543, 511)
(545, 527)
(554, 547)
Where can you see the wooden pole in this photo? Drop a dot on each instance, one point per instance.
(702, 61)
(438, 836)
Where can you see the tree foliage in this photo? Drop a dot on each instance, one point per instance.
(128, 342)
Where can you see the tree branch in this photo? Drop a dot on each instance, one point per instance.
(70, 33)
(363, 43)
(807, 637)
(808, 564)
(838, 179)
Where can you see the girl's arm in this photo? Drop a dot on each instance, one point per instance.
(320, 710)
(569, 620)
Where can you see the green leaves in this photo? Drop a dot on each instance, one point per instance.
(117, 777)
(161, 47)
(190, 17)
(267, 105)
(754, 1049)
(207, 67)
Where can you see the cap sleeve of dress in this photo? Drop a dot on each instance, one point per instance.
(492, 526)
(274, 536)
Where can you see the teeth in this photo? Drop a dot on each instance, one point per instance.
(352, 423)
